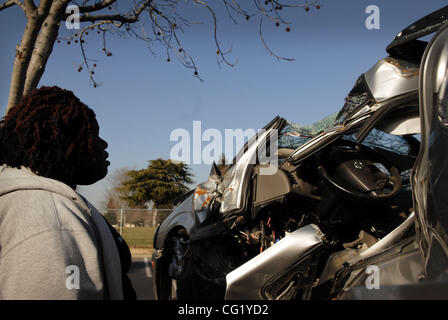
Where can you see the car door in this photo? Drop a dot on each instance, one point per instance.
(430, 175)
(235, 185)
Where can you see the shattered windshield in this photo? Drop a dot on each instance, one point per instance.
(358, 97)
(381, 139)
(294, 135)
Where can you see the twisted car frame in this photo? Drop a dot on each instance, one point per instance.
(365, 194)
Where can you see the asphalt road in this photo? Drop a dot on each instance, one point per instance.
(141, 278)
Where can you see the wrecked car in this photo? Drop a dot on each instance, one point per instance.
(354, 210)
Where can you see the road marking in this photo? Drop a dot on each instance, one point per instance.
(147, 268)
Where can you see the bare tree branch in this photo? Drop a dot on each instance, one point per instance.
(97, 6)
(219, 51)
(11, 3)
(131, 18)
(167, 35)
(83, 52)
(29, 5)
(165, 18)
(115, 17)
(7, 4)
(267, 47)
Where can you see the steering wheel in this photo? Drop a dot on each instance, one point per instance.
(352, 170)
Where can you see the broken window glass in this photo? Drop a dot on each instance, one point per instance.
(358, 97)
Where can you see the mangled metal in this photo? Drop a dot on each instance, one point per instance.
(340, 202)
(391, 77)
(261, 272)
(431, 169)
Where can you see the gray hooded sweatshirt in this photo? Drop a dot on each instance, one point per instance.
(53, 243)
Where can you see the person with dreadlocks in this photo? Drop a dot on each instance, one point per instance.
(53, 243)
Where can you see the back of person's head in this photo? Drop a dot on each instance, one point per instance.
(51, 132)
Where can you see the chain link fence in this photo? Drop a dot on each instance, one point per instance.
(137, 226)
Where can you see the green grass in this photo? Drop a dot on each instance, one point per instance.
(138, 237)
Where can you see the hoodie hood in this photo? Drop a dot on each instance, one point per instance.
(13, 179)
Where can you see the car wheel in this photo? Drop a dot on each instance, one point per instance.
(187, 275)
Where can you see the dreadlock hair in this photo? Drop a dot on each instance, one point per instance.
(50, 131)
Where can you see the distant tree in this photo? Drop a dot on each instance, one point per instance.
(157, 22)
(162, 182)
(113, 198)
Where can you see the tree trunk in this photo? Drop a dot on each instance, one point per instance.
(37, 44)
(22, 60)
(44, 45)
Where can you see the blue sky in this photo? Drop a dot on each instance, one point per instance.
(143, 98)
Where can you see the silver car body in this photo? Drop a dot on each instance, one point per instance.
(390, 83)
(235, 182)
(417, 267)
